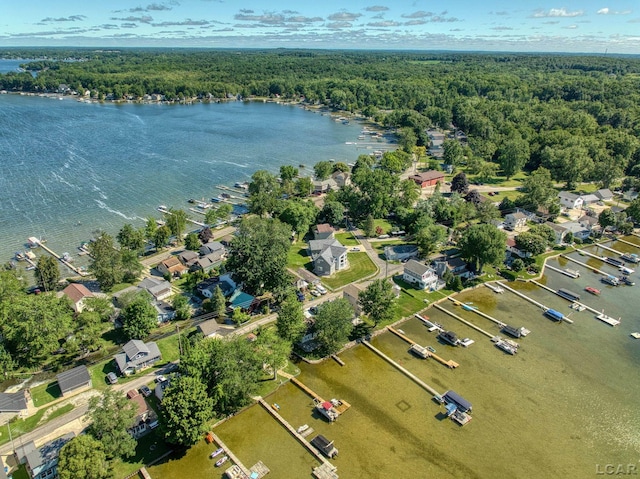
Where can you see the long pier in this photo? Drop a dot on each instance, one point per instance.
(627, 242)
(195, 222)
(533, 301)
(471, 325)
(340, 408)
(410, 375)
(450, 364)
(599, 245)
(585, 265)
(231, 455)
(295, 434)
(59, 258)
(480, 313)
(562, 271)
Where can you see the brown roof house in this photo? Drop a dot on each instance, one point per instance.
(323, 231)
(172, 267)
(77, 293)
(74, 380)
(145, 419)
(428, 178)
(328, 255)
(351, 293)
(137, 355)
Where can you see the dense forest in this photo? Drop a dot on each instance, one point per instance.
(578, 116)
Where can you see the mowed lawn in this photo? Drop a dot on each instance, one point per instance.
(299, 256)
(360, 266)
(346, 239)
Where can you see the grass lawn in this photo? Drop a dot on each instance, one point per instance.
(386, 227)
(501, 195)
(169, 347)
(360, 266)
(298, 256)
(21, 473)
(45, 393)
(346, 239)
(412, 300)
(120, 287)
(149, 447)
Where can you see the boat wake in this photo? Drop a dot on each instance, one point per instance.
(104, 206)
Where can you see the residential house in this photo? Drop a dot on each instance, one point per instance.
(15, 403)
(577, 229)
(145, 419)
(137, 355)
(74, 380)
(514, 250)
(242, 300)
(559, 230)
(589, 199)
(351, 293)
(328, 255)
(419, 274)
(341, 178)
(158, 288)
(630, 195)
(213, 247)
(306, 279)
(209, 328)
(160, 387)
(436, 144)
(42, 463)
(207, 262)
(570, 200)
(187, 257)
(323, 231)
(226, 284)
(77, 293)
(605, 194)
(455, 265)
(515, 221)
(172, 267)
(428, 178)
(323, 186)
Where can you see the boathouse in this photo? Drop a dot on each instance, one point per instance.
(325, 446)
(570, 295)
(428, 178)
(455, 398)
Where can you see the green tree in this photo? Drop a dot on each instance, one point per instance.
(531, 243)
(513, 155)
(110, 415)
(290, 323)
(633, 210)
(607, 218)
(150, 228)
(186, 408)
(430, 238)
(264, 193)
(181, 306)
(272, 350)
(333, 325)
(258, 255)
(288, 173)
(131, 265)
(218, 302)
(300, 215)
(304, 186)
(84, 457)
(369, 226)
(47, 273)
(322, 170)
(460, 183)
(453, 153)
(106, 261)
(176, 221)
(483, 244)
(239, 316)
(538, 189)
(378, 300)
(139, 317)
(409, 193)
(131, 238)
(332, 213)
(88, 334)
(192, 242)
(161, 237)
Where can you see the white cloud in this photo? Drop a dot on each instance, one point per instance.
(608, 11)
(557, 12)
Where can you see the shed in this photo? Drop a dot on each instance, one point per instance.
(74, 379)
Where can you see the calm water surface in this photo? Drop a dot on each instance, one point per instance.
(565, 403)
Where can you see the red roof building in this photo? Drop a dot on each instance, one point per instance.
(428, 178)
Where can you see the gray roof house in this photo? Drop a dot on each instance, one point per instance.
(158, 288)
(604, 194)
(351, 293)
(328, 255)
(74, 379)
(212, 247)
(420, 274)
(589, 199)
(137, 355)
(456, 266)
(187, 256)
(42, 463)
(209, 328)
(559, 230)
(570, 200)
(13, 403)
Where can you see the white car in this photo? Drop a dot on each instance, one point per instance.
(315, 293)
(355, 248)
(321, 289)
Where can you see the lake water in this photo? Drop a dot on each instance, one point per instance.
(69, 168)
(564, 406)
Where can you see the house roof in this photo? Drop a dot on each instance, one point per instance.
(173, 264)
(353, 290)
(212, 246)
(590, 198)
(188, 255)
(517, 216)
(242, 300)
(307, 275)
(156, 287)
(141, 404)
(327, 249)
(76, 292)
(415, 267)
(324, 228)
(568, 195)
(132, 349)
(135, 347)
(209, 327)
(13, 402)
(511, 242)
(73, 378)
(604, 194)
(556, 227)
(428, 176)
(47, 456)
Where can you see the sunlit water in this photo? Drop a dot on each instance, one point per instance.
(566, 403)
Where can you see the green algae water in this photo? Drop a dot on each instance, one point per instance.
(564, 406)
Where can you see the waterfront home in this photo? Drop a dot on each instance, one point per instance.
(605, 194)
(513, 249)
(323, 231)
(77, 293)
(213, 247)
(559, 231)
(351, 293)
(630, 195)
(158, 288)
(137, 355)
(42, 463)
(209, 328)
(207, 262)
(145, 416)
(455, 265)
(74, 380)
(420, 275)
(570, 200)
(242, 300)
(17, 403)
(171, 267)
(428, 178)
(515, 221)
(579, 229)
(328, 255)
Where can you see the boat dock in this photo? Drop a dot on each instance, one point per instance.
(627, 242)
(619, 253)
(567, 272)
(239, 191)
(496, 289)
(533, 301)
(243, 470)
(340, 408)
(167, 212)
(196, 210)
(296, 434)
(61, 259)
(410, 375)
(595, 270)
(450, 364)
(337, 360)
(480, 313)
(471, 325)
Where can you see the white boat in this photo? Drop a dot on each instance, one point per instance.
(303, 428)
(506, 347)
(635, 335)
(466, 342)
(20, 256)
(327, 410)
(625, 270)
(221, 461)
(217, 452)
(67, 257)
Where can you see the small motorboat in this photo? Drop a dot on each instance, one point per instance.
(215, 453)
(221, 461)
(276, 406)
(592, 290)
(303, 428)
(429, 348)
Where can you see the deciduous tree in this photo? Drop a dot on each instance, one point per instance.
(430, 238)
(290, 323)
(483, 244)
(333, 324)
(460, 183)
(139, 317)
(264, 193)
(377, 300)
(84, 457)
(47, 273)
(106, 261)
(110, 415)
(186, 408)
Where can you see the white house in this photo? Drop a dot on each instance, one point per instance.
(420, 275)
(329, 256)
(514, 221)
(559, 230)
(77, 293)
(570, 200)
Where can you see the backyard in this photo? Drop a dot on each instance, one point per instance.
(360, 267)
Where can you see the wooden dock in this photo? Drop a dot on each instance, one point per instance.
(450, 363)
(627, 242)
(480, 313)
(341, 407)
(533, 301)
(296, 434)
(410, 375)
(66, 263)
(337, 359)
(190, 220)
(464, 321)
(591, 268)
(231, 455)
(571, 273)
(619, 253)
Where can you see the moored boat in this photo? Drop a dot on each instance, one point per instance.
(215, 453)
(613, 261)
(221, 461)
(626, 280)
(607, 319)
(630, 257)
(592, 290)
(303, 428)
(612, 280)
(449, 337)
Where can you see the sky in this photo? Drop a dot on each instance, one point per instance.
(591, 26)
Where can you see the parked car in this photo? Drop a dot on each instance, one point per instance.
(145, 391)
(112, 378)
(300, 295)
(355, 248)
(315, 293)
(321, 289)
(160, 378)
